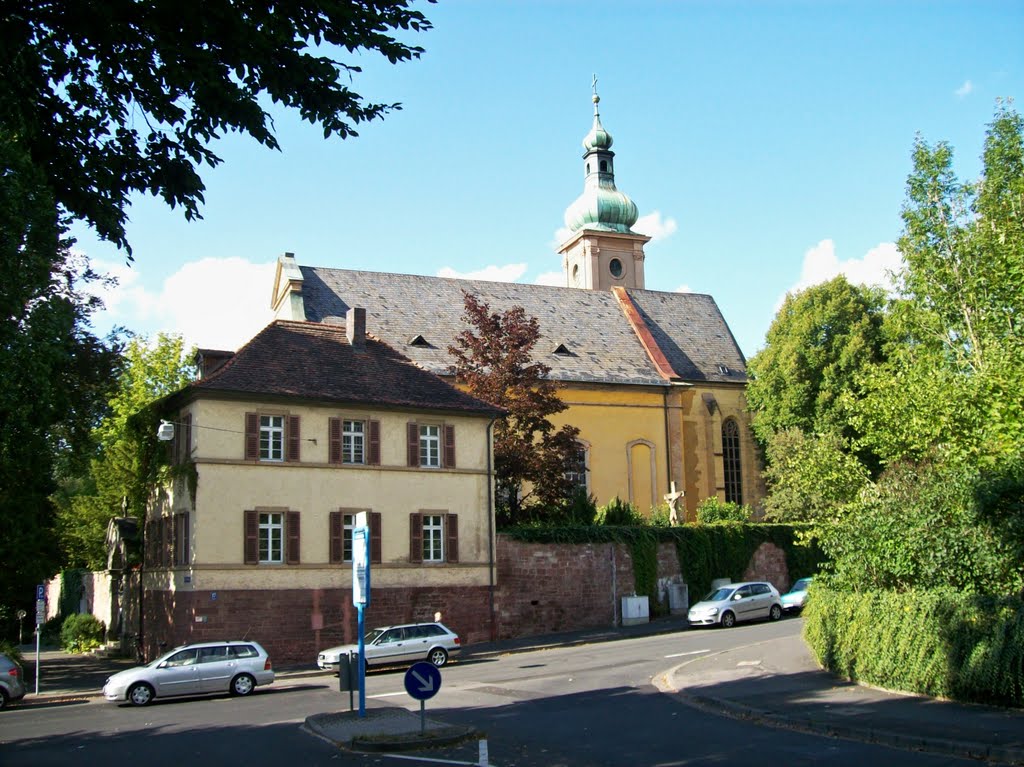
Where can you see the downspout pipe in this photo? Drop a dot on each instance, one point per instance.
(490, 528)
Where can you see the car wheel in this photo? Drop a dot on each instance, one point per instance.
(242, 685)
(140, 694)
(438, 656)
(728, 620)
(775, 613)
(3, 698)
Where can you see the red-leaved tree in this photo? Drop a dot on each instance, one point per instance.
(493, 361)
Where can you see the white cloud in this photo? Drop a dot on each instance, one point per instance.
(561, 235)
(683, 289)
(215, 303)
(654, 227)
(494, 273)
(964, 89)
(821, 264)
(557, 279)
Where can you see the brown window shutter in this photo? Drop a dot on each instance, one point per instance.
(373, 451)
(336, 534)
(451, 527)
(292, 533)
(415, 538)
(252, 436)
(252, 538)
(375, 537)
(413, 452)
(449, 447)
(334, 440)
(185, 551)
(293, 438)
(187, 452)
(168, 536)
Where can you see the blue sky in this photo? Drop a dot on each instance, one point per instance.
(766, 145)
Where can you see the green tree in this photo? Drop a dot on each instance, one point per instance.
(955, 368)
(713, 510)
(819, 343)
(810, 476)
(493, 361)
(111, 98)
(116, 475)
(55, 376)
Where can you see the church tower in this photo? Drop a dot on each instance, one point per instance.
(602, 251)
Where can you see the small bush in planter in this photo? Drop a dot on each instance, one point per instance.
(81, 633)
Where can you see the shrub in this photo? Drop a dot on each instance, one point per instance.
(712, 510)
(11, 650)
(619, 512)
(939, 642)
(49, 633)
(81, 632)
(581, 508)
(661, 516)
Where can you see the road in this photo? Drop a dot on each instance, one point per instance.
(588, 706)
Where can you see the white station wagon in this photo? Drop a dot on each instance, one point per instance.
(235, 667)
(393, 645)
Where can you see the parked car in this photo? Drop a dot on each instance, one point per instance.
(737, 602)
(795, 599)
(391, 645)
(235, 667)
(12, 680)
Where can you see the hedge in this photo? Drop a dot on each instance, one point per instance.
(705, 552)
(938, 642)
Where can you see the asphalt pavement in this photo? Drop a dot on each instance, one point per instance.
(774, 683)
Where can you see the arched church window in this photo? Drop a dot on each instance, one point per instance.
(731, 461)
(588, 168)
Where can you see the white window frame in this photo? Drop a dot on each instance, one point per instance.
(430, 446)
(433, 537)
(348, 524)
(271, 437)
(271, 538)
(353, 441)
(574, 476)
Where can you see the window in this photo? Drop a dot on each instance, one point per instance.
(576, 472)
(430, 446)
(181, 556)
(271, 537)
(340, 534)
(433, 537)
(352, 436)
(213, 654)
(427, 449)
(433, 548)
(604, 166)
(271, 437)
(731, 461)
(615, 267)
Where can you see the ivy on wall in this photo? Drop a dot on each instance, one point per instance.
(705, 552)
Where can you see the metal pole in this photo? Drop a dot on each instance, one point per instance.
(362, 664)
(38, 632)
(423, 718)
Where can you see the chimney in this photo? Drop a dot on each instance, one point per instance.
(355, 327)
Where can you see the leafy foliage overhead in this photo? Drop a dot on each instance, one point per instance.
(126, 96)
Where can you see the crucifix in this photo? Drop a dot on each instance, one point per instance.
(672, 499)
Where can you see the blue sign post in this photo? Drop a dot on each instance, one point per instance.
(361, 594)
(422, 681)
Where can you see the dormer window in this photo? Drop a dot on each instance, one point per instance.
(724, 370)
(418, 341)
(561, 349)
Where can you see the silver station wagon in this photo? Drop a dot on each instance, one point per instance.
(393, 645)
(235, 667)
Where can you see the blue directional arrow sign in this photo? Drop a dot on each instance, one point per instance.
(422, 681)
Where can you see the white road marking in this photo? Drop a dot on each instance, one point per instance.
(681, 654)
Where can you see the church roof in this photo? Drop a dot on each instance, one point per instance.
(586, 336)
(316, 362)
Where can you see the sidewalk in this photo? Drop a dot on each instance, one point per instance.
(776, 683)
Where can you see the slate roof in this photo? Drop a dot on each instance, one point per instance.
(316, 362)
(603, 347)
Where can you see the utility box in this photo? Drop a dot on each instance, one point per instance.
(348, 672)
(678, 598)
(635, 610)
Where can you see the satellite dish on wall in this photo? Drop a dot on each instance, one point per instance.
(166, 431)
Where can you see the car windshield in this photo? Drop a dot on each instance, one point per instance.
(801, 585)
(718, 595)
(372, 634)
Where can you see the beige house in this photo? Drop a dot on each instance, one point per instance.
(276, 448)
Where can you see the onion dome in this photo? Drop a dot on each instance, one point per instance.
(601, 207)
